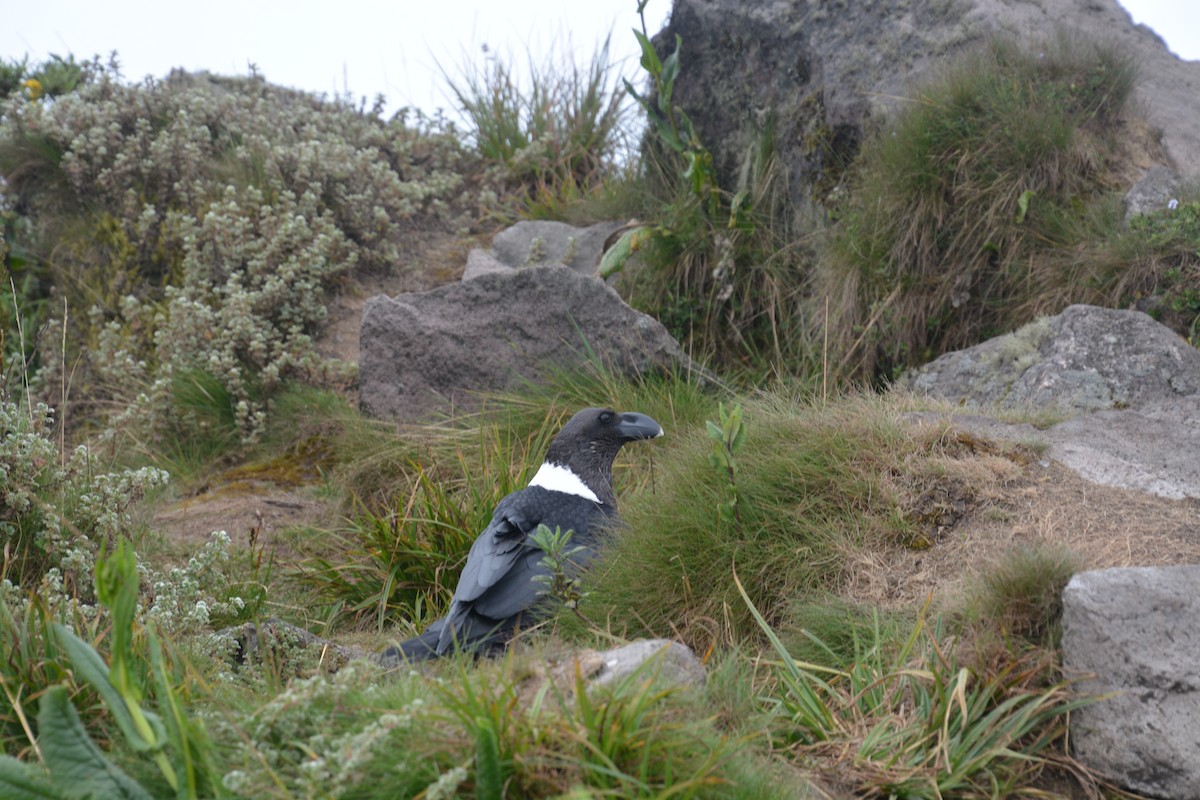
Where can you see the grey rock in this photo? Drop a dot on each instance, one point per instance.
(1136, 631)
(1084, 359)
(661, 659)
(1152, 193)
(1154, 449)
(253, 639)
(823, 75)
(1150, 449)
(481, 262)
(441, 349)
(541, 243)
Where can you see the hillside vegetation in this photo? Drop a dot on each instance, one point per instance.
(171, 252)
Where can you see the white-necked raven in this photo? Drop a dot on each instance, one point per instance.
(572, 490)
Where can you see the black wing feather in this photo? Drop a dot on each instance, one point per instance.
(497, 583)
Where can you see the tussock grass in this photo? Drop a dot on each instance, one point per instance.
(956, 202)
(1020, 596)
(555, 132)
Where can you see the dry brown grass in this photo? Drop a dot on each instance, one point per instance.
(1103, 525)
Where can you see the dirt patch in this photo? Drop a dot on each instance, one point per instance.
(253, 514)
(1103, 525)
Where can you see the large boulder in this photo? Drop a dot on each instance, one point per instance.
(822, 75)
(1134, 635)
(442, 349)
(1085, 359)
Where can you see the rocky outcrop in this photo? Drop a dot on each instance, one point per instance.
(1084, 359)
(1134, 635)
(821, 75)
(1141, 381)
(444, 348)
(1153, 192)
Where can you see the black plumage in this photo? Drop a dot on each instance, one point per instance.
(571, 491)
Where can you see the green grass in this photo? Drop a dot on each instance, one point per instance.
(1020, 596)
(906, 719)
(556, 132)
(816, 484)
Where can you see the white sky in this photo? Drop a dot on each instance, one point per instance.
(371, 48)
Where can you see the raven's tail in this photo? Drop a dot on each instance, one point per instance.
(418, 648)
(425, 647)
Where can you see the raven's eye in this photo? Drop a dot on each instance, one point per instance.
(606, 417)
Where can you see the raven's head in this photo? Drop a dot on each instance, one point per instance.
(585, 448)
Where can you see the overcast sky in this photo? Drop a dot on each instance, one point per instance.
(371, 47)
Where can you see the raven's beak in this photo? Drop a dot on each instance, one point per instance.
(635, 426)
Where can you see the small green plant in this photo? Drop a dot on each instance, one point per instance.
(563, 582)
(1021, 594)
(728, 439)
(672, 125)
(553, 142)
(175, 742)
(58, 509)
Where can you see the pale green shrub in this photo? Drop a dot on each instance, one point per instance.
(197, 223)
(57, 511)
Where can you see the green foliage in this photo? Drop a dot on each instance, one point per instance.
(669, 121)
(958, 219)
(1021, 595)
(52, 78)
(58, 509)
(914, 723)
(563, 583)
(402, 562)
(816, 484)
(1165, 266)
(721, 269)
(78, 767)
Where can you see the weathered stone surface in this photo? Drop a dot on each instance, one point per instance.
(482, 262)
(1156, 189)
(661, 659)
(1155, 448)
(1137, 630)
(543, 242)
(822, 75)
(439, 349)
(1150, 449)
(1086, 358)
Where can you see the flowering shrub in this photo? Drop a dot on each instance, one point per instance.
(199, 221)
(306, 738)
(56, 512)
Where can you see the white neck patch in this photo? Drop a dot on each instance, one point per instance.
(558, 478)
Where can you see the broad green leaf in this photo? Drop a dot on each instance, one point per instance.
(613, 260)
(650, 61)
(74, 760)
(1023, 205)
(21, 781)
(143, 729)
